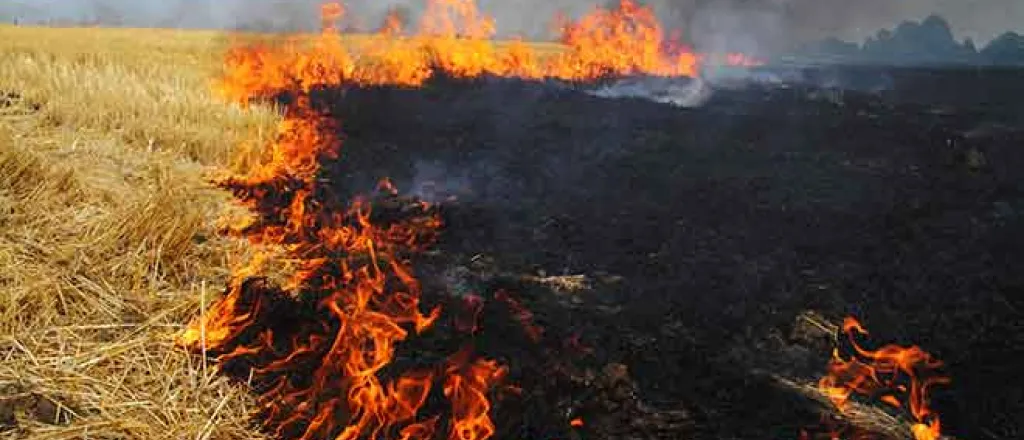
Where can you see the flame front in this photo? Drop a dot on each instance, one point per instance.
(454, 38)
(358, 295)
(897, 376)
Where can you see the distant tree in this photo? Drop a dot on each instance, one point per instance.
(883, 35)
(927, 42)
(969, 45)
(1007, 48)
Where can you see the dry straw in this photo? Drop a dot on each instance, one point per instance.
(106, 233)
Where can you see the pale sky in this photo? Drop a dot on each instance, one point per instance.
(980, 20)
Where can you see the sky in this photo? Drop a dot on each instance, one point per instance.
(763, 25)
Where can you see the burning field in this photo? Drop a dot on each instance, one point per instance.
(449, 239)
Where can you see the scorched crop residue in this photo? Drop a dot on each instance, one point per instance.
(321, 347)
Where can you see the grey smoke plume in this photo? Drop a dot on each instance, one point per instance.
(753, 26)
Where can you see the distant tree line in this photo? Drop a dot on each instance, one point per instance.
(928, 42)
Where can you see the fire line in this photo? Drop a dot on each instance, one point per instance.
(355, 286)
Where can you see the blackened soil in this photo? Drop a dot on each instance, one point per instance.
(728, 220)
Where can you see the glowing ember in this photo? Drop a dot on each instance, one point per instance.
(897, 376)
(521, 314)
(354, 296)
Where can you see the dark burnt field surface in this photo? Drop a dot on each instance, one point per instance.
(993, 91)
(706, 231)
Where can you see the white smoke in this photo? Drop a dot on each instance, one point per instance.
(435, 182)
(681, 92)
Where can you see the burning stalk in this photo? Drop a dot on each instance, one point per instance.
(897, 376)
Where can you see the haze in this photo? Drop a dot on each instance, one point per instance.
(761, 26)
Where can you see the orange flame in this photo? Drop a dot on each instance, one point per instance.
(895, 375)
(392, 23)
(454, 38)
(466, 386)
(625, 41)
(353, 271)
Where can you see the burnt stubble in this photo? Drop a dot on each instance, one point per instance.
(713, 229)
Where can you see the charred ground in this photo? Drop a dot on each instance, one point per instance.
(705, 232)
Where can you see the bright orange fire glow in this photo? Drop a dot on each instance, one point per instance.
(354, 272)
(466, 386)
(625, 41)
(454, 38)
(897, 376)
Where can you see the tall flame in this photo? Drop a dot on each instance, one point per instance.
(354, 272)
(897, 376)
(625, 41)
(454, 38)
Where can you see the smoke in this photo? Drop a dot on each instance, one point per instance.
(681, 92)
(752, 26)
(435, 182)
(765, 27)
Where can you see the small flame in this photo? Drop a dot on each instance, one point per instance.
(895, 375)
